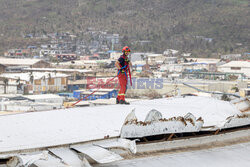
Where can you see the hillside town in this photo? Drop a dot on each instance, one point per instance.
(65, 70)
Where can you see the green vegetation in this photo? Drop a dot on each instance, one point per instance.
(184, 24)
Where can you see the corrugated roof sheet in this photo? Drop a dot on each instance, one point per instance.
(21, 62)
(74, 125)
(43, 96)
(58, 70)
(233, 156)
(36, 75)
(245, 64)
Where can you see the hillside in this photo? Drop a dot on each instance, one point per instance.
(188, 25)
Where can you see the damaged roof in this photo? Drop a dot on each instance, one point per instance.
(141, 118)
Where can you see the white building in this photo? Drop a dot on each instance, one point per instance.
(31, 102)
(172, 67)
(115, 55)
(36, 63)
(155, 58)
(170, 52)
(10, 88)
(46, 98)
(231, 56)
(37, 82)
(236, 67)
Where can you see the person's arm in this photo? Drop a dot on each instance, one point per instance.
(117, 64)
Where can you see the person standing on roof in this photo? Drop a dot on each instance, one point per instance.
(123, 64)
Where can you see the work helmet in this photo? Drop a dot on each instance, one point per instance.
(125, 49)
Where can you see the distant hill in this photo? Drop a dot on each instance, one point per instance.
(203, 27)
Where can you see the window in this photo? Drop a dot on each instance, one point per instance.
(235, 68)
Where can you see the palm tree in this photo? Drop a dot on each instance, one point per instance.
(49, 76)
(18, 81)
(5, 81)
(31, 78)
(143, 57)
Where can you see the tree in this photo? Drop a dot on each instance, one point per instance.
(143, 57)
(31, 78)
(5, 81)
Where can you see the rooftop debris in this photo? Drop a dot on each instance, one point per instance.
(154, 124)
(90, 125)
(98, 154)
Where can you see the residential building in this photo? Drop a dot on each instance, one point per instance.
(38, 82)
(30, 103)
(138, 56)
(66, 57)
(18, 53)
(155, 59)
(7, 87)
(46, 98)
(236, 67)
(33, 63)
(170, 52)
(115, 55)
(2, 68)
(231, 57)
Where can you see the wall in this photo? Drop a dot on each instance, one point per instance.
(246, 71)
(10, 89)
(2, 68)
(168, 88)
(52, 85)
(41, 64)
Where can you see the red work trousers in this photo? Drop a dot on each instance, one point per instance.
(123, 86)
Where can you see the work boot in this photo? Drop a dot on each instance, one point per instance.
(117, 101)
(123, 102)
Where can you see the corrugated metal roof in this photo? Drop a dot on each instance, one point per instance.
(68, 156)
(43, 96)
(98, 153)
(36, 75)
(59, 70)
(230, 156)
(244, 64)
(21, 62)
(42, 129)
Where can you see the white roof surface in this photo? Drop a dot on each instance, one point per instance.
(37, 75)
(154, 55)
(168, 51)
(44, 96)
(230, 156)
(42, 129)
(21, 62)
(245, 64)
(57, 69)
(204, 60)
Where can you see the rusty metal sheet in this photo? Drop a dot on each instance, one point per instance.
(97, 153)
(236, 121)
(154, 124)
